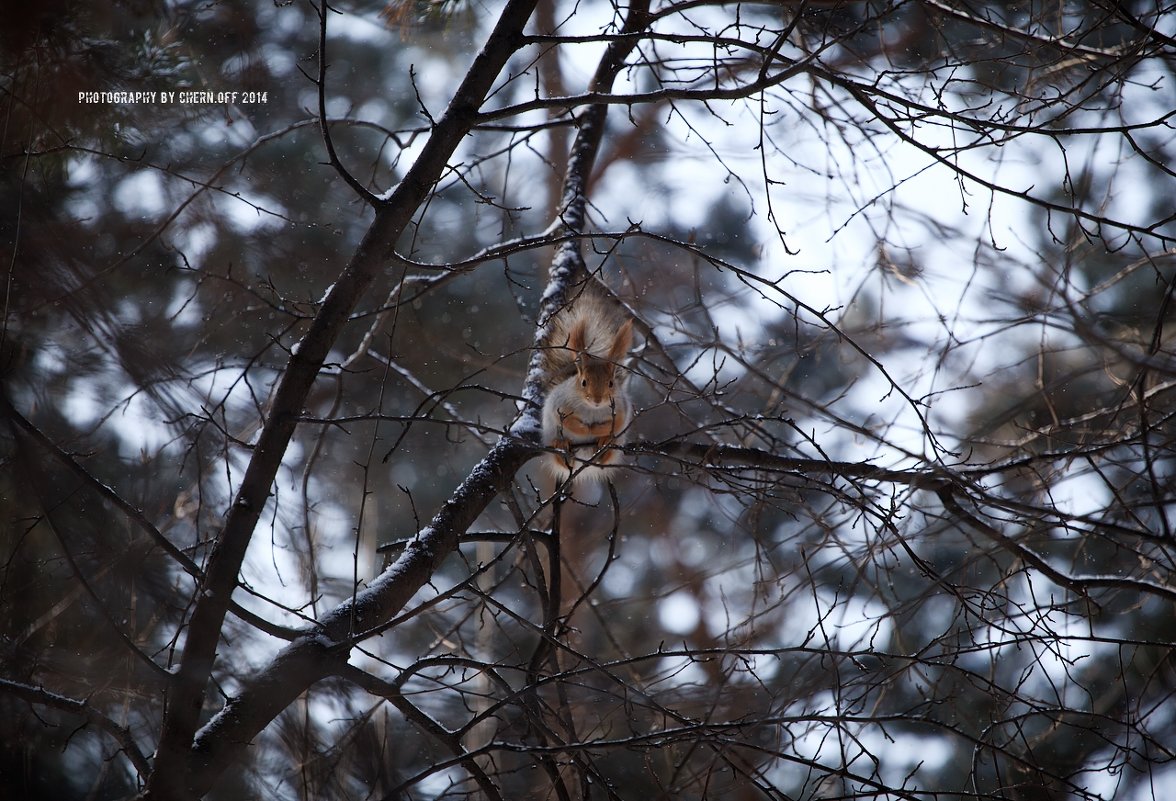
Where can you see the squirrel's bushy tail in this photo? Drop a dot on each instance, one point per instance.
(600, 318)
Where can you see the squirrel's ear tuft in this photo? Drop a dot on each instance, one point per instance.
(576, 335)
(621, 342)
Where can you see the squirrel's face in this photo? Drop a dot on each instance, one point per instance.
(596, 395)
(597, 381)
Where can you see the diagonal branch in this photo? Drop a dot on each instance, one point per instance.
(135, 515)
(1079, 584)
(43, 697)
(320, 652)
(172, 777)
(448, 739)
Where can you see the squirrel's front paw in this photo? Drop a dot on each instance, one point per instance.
(605, 454)
(565, 451)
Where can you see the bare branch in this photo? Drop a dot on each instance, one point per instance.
(82, 709)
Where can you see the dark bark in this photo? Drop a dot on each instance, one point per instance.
(172, 777)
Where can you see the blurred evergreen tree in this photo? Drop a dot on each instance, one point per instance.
(164, 261)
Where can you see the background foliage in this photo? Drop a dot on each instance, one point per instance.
(897, 516)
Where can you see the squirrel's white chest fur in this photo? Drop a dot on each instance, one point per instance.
(565, 400)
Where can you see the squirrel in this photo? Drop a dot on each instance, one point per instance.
(587, 408)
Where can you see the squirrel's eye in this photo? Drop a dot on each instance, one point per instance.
(610, 383)
(583, 382)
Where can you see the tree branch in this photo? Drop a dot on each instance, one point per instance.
(323, 9)
(121, 735)
(172, 777)
(315, 654)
